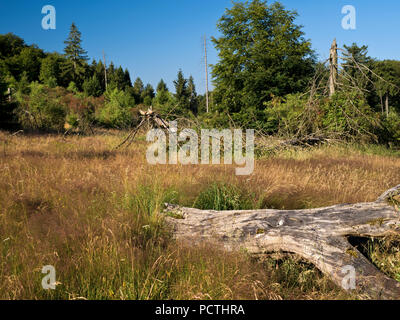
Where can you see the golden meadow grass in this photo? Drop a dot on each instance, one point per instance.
(93, 213)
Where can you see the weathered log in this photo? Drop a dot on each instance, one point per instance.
(317, 235)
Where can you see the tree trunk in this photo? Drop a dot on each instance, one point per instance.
(387, 105)
(333, 68)
(318, 235)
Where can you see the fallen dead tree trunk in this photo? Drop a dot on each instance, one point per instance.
(318, 235)
(304, 142)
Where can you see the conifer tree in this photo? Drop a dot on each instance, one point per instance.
(74, 67)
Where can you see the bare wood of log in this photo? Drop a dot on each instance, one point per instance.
(333, 67)
(317, 235)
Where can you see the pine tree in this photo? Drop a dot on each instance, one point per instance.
(148, 95)
(99, 72)
(163, 96)
(127, 79)
(92, 87)
(137, 90)
(162, 86)
(74, 67)
(73, 50)
(193, 101)
(117, 79)
(181, 92)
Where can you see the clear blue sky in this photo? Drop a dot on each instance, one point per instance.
(154, 38)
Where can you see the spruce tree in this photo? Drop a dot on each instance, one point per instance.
(193, 101)
(162, 86)
(127, 79)
(138, 88)
(181, 92)
(74, 67)
(73, 50)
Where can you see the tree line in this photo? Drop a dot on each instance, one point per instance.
(267, 77)
(26, 71)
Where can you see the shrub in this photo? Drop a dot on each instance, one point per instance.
(92, 87)
(392, 126)
(349, 115)
(285, 116)
(80, 110)
(344, 115)
(41, 109)
(116, 111)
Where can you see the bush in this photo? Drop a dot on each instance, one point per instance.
(344, 115)
(392, 126)
(349, 115)
(80, 110)
(41, 109)
(285, 116)
(92, 87)
(116, 111)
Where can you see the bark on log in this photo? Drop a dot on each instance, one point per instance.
(318, 235)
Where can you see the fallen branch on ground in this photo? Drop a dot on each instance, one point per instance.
(317, 235)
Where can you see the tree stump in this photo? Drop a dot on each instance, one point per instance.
(317, 235)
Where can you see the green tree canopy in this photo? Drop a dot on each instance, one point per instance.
(10, 45)
(92, 87)
(388, 84)
(262, 53)
(50, 69)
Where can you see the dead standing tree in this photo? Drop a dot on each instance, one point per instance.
(333, 68)
(317, 235)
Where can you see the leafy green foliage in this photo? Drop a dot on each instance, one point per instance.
(116, 111)
(349, 115)
(262, 53)
(345, 115)
(92, 87)
(392, 125)
(50, 72)
(41, 109)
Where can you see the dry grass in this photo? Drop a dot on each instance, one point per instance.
(93, 214)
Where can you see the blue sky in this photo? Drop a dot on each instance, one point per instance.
(154, 38)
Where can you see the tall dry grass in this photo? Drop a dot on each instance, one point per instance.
(93, 213)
